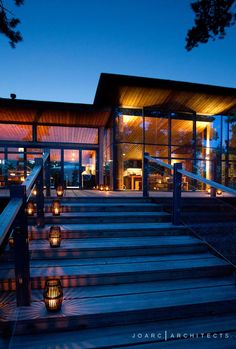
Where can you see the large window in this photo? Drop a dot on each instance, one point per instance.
(15, 132)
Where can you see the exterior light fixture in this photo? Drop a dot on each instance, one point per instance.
(56, 208)
(209, 191)
(34, 191)
(101, 188)
(11, 242)
(219, 192)
(55, 236)
(107, 188)
(60, 191)
(30, 208)
(22, 178)
(53, 295)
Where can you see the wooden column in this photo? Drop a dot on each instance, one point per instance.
(176, 207)
(101, 155)
(145, 175)
(40, 194)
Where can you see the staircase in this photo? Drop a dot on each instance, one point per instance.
(126, 272)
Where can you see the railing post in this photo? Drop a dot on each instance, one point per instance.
(21, 249)
(40, 195)
(214, 172)
(47, 176)
(177, 181)
(145, 175)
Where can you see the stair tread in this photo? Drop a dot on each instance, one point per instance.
(113, 226)
(113, 204)
(111, 260)
(110, 214)
(115, 269)
(111, 337)
(124, 303)
(139, 242)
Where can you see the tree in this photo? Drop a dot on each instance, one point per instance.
(212, 17)
(8, 23)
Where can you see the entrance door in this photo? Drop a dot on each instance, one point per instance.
(72, 168)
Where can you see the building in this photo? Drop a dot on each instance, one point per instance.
(105, 142)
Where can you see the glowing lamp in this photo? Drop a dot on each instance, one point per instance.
(55, 236)
(101, 188)
(209, 191)
(34, 192)
(219, 192)
(56, 208)
(107, 188)
(53, 295)
(11, 242)
(30, 208)
(22, 178)
(60, 191)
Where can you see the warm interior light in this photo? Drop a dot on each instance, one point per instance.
(209, 191)
(55, 236)
(60, 191)
(34, 192)
(53, 295)
(30, 208)
(219, 192)
(11, 242)
(56, 208)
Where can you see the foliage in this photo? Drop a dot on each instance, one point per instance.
(212, 17)
(8, 23)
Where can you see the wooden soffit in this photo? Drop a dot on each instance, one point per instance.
(52, 113)
(130, 91)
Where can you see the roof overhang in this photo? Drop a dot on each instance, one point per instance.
(138, 92)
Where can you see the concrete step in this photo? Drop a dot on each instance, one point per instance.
(103, 199)
(108, 207)
(101, 274)
(100, 311)
(105, 217)
(159, 334)
(110, 230)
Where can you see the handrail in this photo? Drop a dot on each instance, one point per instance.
(8, 216)
(193, 176)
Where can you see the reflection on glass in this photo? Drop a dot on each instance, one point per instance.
(67, 134)
(129, 129)
(181, 132)
(55, 167)
(71, 168)
(14, 132)
(156, 130)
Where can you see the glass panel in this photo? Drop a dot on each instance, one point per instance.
(67, 134)
(89, 169)
(107, 157)
(186, 181)
(181, 132)
(156, 130)
(129, 129)
(157, 151)
(179, 152)
(129, 171)
(159, 178)
(13, 132)
(232, 175)
(16, 166)
(2, 169)
(209, 133)
(71, 168)
(55, 167)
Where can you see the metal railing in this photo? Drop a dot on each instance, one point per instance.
(14, 219)
(178, 171)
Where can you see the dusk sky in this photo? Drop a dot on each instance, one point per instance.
(67, 44)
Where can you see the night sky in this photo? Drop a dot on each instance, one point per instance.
(67, 44)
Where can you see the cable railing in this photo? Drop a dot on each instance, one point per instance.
(13, 220)
(178, 171)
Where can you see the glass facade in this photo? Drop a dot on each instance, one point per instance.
(204, 145)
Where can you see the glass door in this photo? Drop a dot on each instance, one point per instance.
(88, 161)
(72, 168)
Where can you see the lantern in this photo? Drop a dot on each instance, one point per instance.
(56, 208)
(34, 192)
(101, 187)
(60, 191)
(53, 295)
(219, 192)
(55, 236)
(30, 208)
(107, 188)
(22, 178)
(209, 191)
(11, 242)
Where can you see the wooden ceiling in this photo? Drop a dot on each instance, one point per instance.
(68, 114)
(168, 95)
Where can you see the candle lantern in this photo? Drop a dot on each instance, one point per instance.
(219, 192)
(55, 236)
(101, 187)
(30, 208)
(60, 191)
(11, 242)
(56, 208)
(209, 191)
(107, 188)
(53, 295)
(34, 192)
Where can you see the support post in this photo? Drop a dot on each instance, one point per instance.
(145, 175)
(21, 249)
(214, 172)
(177, 181)
(47, 176)
(40, 194)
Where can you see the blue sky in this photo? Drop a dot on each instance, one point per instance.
(67, 44)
